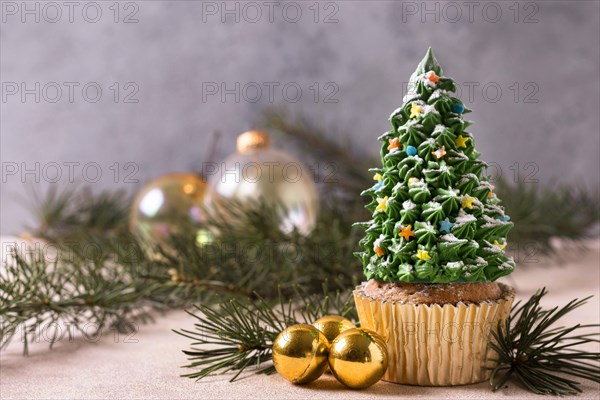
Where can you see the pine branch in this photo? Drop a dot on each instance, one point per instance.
(37, 295)
(121, 277)
(239, 335)
(65, 214)
(542, 213)
(541, 356)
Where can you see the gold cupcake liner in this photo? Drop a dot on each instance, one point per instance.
(436, 345)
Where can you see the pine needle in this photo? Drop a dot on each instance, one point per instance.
(541, 356)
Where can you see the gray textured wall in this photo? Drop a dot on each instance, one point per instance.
(176, 48)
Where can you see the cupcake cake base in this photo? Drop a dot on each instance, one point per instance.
(436, 334)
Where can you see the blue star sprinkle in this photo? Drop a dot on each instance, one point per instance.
(446, 225)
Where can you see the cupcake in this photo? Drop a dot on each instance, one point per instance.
(436, 242)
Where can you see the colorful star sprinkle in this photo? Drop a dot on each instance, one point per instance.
(413, 180)
(378, 185)
(382, 204)
(423, 255)
(406, 232)
(446, 225)
(394, 144)
(439, 153)
(501, 246)
(377, 177)
(432, 77)
(377, 245)
(506, 218)
(415, 110)
(461, 141)
(467, 201)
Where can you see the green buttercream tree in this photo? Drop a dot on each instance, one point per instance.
(435, 218)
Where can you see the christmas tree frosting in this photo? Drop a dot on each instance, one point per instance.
(435, 218)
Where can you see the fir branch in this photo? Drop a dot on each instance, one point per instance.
(239, 335)
(67, 214)
(541, 213)
(254, 256)
(540, 355)
(37, 295)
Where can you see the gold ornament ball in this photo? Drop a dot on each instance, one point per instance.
(333, 325)
(358, 358)
(169, 205)
(260, 174)
(300, 353)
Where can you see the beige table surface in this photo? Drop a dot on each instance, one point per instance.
(150, 368)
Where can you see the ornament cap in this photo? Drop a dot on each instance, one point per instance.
(253, 140)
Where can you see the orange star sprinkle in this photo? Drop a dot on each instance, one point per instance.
(406, 232)
(394, 144)
(440, 152)
(433, 77)
(378, 251)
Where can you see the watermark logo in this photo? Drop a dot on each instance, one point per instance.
(470, 11)
(270, 11)
(69, 92)
(270, 171)
(270, 92)
(492, 92)
(69, 171)
(518, 173)
(53, 332)
(52, 12)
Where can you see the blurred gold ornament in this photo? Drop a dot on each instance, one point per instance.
(253, 140)
(300, 353)
(358, 358)
(169, 205)
(260, 173)
(332, 325)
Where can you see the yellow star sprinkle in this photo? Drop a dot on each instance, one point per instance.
(501, 246)
(377, 177)
(382, 204)
(406, 232)
(439, 153)
(467, 201)
(423, 255)
(413, 180)
(415, 110)
(461, 141)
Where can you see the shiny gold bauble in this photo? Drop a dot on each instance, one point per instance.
(168, 206)
(332, 325)
(253, 140)
(257, 175)
(358, 358)
(300, 353)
